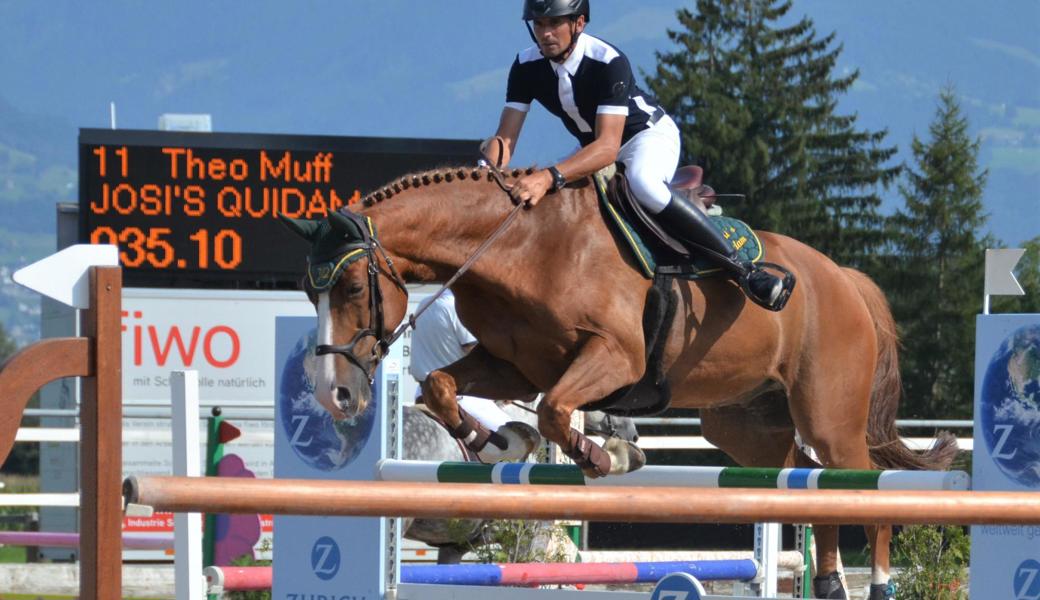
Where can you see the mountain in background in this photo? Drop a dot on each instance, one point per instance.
(434, 69)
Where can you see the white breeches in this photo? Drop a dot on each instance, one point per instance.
(482, 409)
(650, 160)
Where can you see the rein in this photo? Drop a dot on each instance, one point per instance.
(376, 327)
(462, 270)
(500, 179)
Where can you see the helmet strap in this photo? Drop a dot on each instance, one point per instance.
(531, 32)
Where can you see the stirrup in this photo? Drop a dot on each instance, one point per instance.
(786, 283)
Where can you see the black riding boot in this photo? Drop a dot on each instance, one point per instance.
(691, 226)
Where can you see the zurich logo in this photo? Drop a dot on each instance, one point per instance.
(1027, 580)
(325, 558)
(678, 586)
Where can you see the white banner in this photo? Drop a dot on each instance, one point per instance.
(1005, 559)
(227, 336)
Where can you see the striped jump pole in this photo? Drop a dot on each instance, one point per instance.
(228, 579)
(237, 579)
(669, 476)
(46, 539)
(621, 504)
(536, 574)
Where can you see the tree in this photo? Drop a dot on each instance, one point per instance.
(757, 106)
(7, 345)
(940, 260)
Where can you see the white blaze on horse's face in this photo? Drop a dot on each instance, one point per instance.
(325, 375)
(340, 387)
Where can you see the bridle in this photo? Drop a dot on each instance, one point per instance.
(368, 247)
(350, 252)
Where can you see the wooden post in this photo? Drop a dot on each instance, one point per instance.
(101, 442)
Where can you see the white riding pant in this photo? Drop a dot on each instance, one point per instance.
(482, 409)
(650, 160)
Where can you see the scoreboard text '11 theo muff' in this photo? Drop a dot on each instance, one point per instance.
(201, 209)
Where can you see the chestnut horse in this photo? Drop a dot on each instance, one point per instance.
(557, 305)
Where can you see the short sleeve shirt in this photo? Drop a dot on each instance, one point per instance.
(438, 338)
(595, 79)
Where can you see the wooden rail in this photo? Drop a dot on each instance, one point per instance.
(662, 504)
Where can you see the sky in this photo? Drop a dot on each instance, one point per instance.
(430, 68)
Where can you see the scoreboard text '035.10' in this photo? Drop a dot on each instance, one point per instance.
(201, 209)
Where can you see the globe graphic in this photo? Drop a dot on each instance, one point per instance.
(1010, 406)
(319, 441)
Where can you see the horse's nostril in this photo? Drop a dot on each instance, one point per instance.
(343, 397)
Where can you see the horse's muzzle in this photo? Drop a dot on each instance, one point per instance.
(347, 402)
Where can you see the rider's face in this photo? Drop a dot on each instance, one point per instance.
(554, 34)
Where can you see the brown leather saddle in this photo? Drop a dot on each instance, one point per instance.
(687, 181)
(651, 394)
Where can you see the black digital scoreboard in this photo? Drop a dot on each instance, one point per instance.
(201, 209)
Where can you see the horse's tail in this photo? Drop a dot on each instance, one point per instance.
(887, 450)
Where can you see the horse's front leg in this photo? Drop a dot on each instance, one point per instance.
(483, 375)
(600, 368)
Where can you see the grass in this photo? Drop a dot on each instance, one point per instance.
(12, 554)
(16, 484)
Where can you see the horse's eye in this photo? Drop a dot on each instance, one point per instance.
(355, 289)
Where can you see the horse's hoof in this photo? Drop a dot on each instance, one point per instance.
(829, 586)
(625, 457)
(522, 440)
(882, 591)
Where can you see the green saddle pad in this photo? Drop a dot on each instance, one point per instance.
(739, 234)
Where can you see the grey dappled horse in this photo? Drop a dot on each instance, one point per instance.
(426, 439)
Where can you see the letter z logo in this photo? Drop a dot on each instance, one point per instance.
(1027, 582)
(325, 558)
(998, 449)
(300, 423)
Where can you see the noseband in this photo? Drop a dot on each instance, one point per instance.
(329, 271)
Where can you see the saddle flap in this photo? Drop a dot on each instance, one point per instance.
(653, 234)
(654, 249)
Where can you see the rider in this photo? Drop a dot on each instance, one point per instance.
(589, 85)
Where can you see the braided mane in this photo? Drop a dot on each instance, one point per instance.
(443, 175)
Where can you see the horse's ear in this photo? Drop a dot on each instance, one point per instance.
(304, 228)
(342, 223)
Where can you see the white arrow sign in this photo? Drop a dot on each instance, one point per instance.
(63, 276)
(1000, 278)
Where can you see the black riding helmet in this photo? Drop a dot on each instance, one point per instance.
(534, 9)
(555, 8)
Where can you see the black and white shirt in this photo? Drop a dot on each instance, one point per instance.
(595, 79)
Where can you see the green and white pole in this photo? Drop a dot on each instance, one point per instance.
(672, 476)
